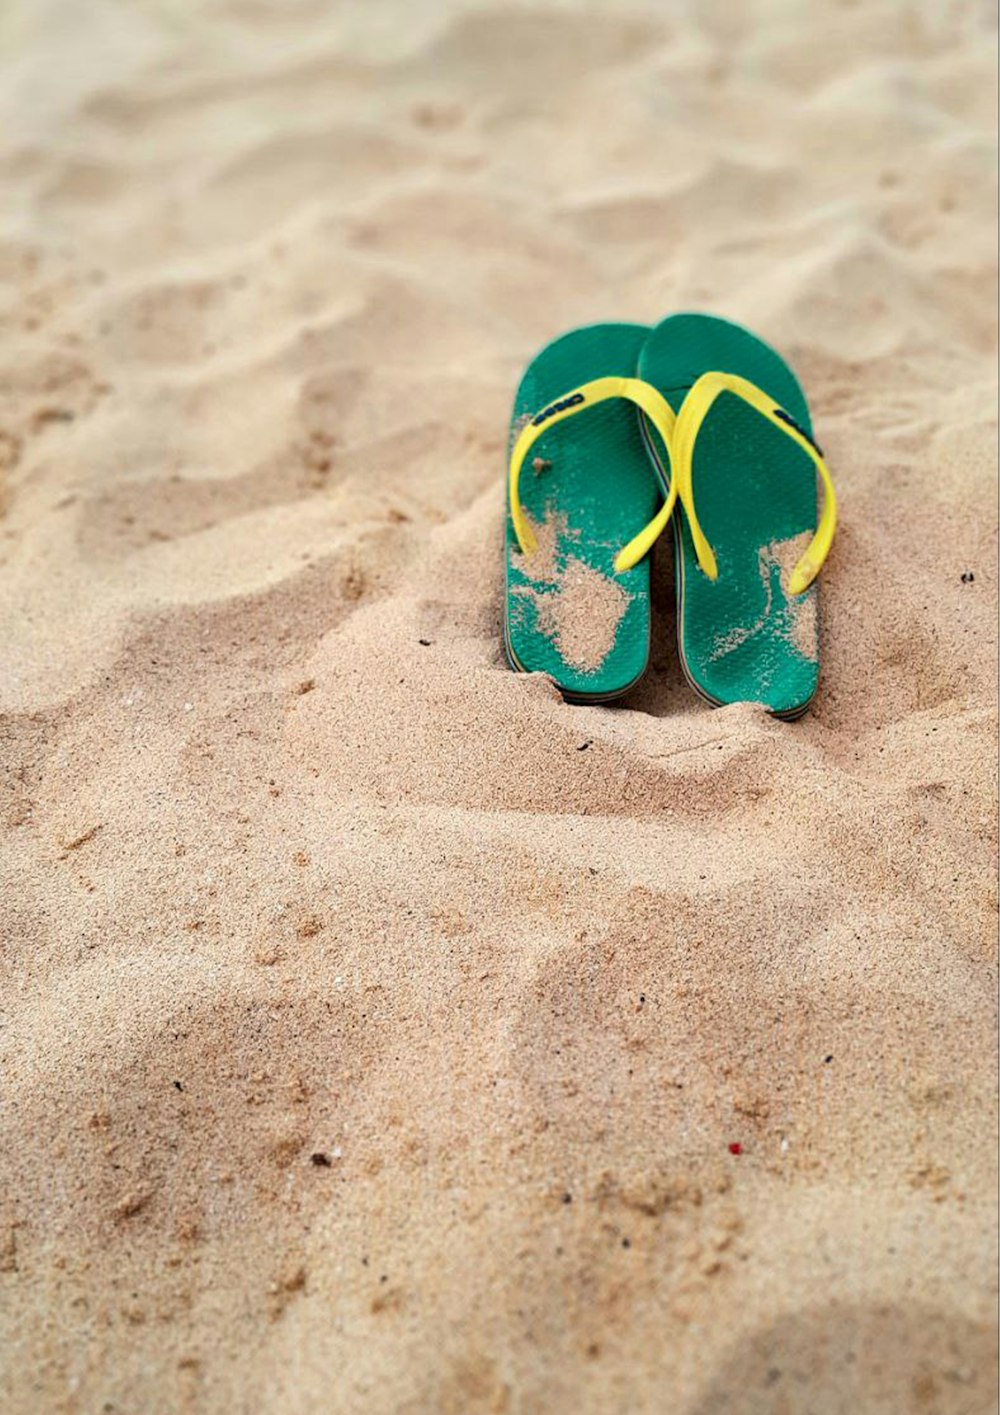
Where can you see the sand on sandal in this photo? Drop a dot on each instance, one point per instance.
(553, 542)
(582, 614)
(574, 605)
(379, 1033)
(793, 617)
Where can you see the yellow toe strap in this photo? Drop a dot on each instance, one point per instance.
(690, 419)
(577, 400)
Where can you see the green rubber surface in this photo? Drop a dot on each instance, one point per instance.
(602, 482)
(742, 638)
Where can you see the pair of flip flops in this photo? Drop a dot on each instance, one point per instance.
(618, 430)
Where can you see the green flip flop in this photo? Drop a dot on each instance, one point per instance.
(576, 607)
(743, 454)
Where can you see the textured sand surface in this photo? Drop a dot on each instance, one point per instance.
(374, 1027)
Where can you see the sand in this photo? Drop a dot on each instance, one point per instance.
(574, 605)
(795, 618)
(380, 1033)
(582, 615)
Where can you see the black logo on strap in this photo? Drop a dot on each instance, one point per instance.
(787, 418)
(558, 407)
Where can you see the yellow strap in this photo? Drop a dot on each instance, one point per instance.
(694, 410)
(657, 410)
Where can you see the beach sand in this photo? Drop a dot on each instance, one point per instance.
(380, 1033)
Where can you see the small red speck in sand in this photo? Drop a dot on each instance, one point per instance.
(736, 1148)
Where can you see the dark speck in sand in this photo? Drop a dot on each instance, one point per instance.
(567, 1198)
(178, 1086)
(968, 576)
(584, 747)
(424, 643)
(321, 1160)
(626, 1242)
(827, 1060)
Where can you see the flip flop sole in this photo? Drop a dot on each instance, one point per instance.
(742, 637)
(587, 489)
